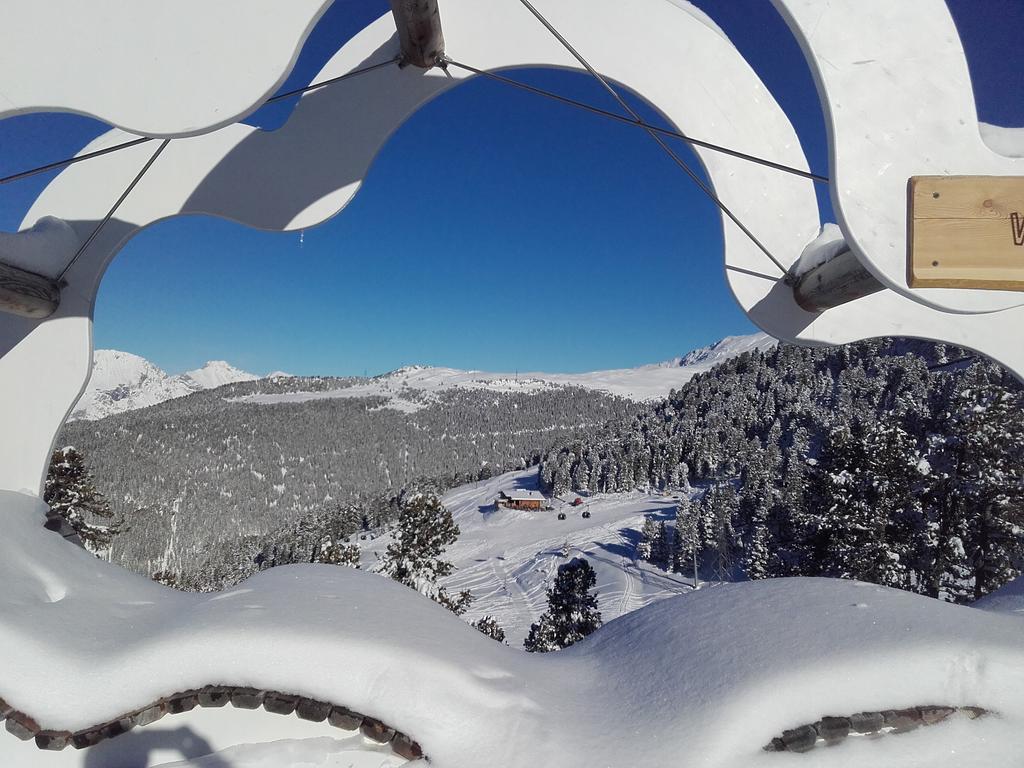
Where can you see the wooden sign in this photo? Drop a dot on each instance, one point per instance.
(966, 232)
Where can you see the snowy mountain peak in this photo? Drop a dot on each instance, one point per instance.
(726, 348)
(122, 381)
(217, 373)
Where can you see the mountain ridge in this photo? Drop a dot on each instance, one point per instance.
(122, 381)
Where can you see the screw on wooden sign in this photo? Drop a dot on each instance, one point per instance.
(966, 232)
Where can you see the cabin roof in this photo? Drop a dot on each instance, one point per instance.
(521, 495)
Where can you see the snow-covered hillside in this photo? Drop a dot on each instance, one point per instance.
(122, 382)
(409, 388)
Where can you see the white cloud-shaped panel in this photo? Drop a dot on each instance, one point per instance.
(149, 66)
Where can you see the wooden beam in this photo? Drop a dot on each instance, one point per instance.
(26, 293)
(966, 232)
(419, 30)
(839, 280)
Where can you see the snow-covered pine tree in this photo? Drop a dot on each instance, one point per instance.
(662, 547)
(687, 539)
(757, 547)
(989, 422)
(720, 506)
(339, 553)
(424, 531)
(572, 612)
(489, 626)
(649, 535)
(71, 493)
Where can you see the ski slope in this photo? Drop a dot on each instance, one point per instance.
(508, 558)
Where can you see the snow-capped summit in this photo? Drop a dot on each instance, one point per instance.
(122, 381)
(216, 373)
(720, 351)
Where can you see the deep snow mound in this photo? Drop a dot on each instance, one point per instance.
(706, 678)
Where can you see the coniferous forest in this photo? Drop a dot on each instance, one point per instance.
(890, 461)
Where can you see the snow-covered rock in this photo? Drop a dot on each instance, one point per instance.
(122, 381)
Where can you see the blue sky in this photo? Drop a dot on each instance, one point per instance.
(617, 252)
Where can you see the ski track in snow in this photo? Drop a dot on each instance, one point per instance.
(508, 558)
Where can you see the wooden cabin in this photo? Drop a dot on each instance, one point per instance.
(518, 499)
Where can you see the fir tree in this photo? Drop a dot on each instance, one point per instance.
(572, 609)
(71, 493)
(425, 529)
(687, 540)
(489, 626)
(649, 535)
(990, 430)
(339, 553)
(662, 547)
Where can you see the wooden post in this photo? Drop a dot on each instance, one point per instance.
(839, 280)
(26, 293)
(419, 30)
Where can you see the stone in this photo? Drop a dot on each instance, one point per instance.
(280, 703)
(405, 747)
(833, 729)
(183, 701)
(5, 709)
(150, 714)
(246, 698)
(213, 696)
(375, 730)
(974, 712)
(800, 739)
(867, 722)
(116, 727)
(932, 714)
(902, 720)
(90, 737)
(53, 740)
(345, 719)
(311, 709)
(775, 745)
(21, 725)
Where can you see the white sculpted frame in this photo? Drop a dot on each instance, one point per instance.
(307, 171)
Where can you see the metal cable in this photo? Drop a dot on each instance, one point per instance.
(142, 140)
(113, 209)
(661, 142)
(639, 123)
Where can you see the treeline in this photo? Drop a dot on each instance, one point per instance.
(895, 462)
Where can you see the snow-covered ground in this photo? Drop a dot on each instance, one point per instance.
(122, 381)
(411, 387)
(706, 678)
